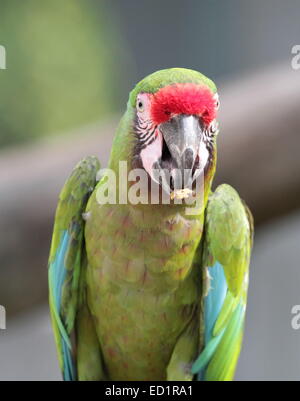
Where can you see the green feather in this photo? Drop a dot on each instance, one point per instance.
(228, 241)
(228, 306)
(68, 224)
(153, 82)
(208, 353)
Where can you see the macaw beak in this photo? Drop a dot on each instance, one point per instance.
(180, 154)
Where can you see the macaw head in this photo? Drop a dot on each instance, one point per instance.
(171, 126)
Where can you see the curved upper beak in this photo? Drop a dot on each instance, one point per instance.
(182, 138)
(182, 135)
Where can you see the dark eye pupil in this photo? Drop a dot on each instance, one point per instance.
(140, 105)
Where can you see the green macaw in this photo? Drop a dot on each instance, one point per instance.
(145, 290)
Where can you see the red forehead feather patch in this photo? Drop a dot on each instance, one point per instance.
(183, 99)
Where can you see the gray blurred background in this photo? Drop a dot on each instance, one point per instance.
(70, 67)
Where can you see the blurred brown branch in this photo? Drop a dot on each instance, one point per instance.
(258, 155)
(30, 181)
(260, 140)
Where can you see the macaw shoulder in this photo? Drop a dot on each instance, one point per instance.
(229, 231)
(226, 208)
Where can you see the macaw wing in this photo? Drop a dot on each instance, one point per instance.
(65, 259)
(225, 261)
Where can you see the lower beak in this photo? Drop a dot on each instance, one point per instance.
(181, 141)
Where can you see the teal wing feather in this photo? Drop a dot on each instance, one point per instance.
(225, 261)
(65, 260)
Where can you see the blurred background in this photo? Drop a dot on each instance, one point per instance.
(69, 68)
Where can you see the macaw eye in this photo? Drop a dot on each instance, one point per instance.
(140, 105)
(216, 97)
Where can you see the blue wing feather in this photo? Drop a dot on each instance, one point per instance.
(213, 303)
(57, 275)
(228, 242)
(214, 300)
(65, 261)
